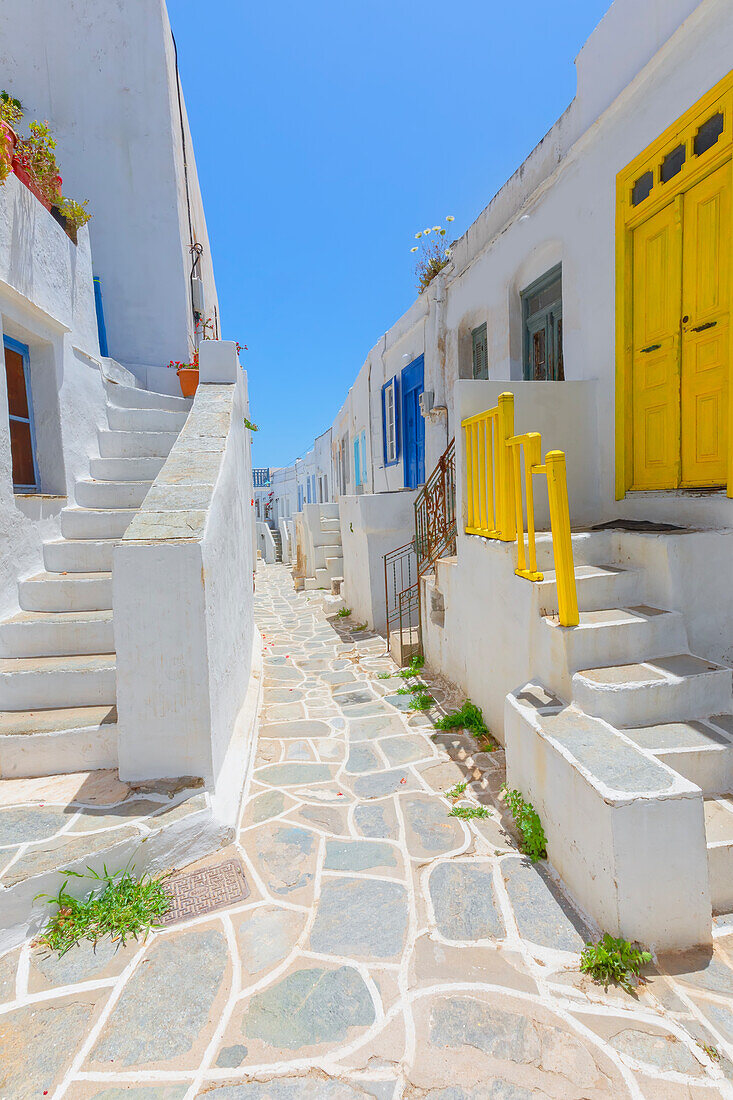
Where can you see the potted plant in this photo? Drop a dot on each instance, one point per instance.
(188, 375)
(11, 113)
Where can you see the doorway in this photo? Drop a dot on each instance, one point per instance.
(413, 425)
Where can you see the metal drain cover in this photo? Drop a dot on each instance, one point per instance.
(195, 893)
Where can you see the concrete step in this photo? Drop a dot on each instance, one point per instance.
(145, 420)
(38, 683)
(699, 749)
(589, 548)
(54, 634)
(95, 523)
(111, 494)
(609, 637)
(118, 444)
(54, 742)
(66, 592)
(79, 555)
(125, 469)
(125, 397)
(598, 586)
(660, 689)
(719, 834)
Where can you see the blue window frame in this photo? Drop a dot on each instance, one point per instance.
(413, 425)
(357, 461)
(20, 409)
(300, 498)
(391, 421)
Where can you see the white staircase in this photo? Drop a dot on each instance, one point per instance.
(57, 660)
(628, 665)
(328, 552)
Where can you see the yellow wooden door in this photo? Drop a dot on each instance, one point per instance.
(706, 257)
(657, 293)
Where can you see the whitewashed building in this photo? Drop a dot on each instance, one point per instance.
(127, 639)
(595, 288)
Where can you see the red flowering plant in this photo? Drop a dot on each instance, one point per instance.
(193, 365)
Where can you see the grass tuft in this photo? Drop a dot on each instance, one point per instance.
(527, 820)
(343, 612)
(414, 668)
(457, 791)
(468, 812)
(421, 701)
(469, 717)
(120, 905)
(612, 960)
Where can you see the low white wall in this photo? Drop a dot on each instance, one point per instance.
(623, 853)
(265, 543)
(371, 526)
(183, 600)
(47, 303)
(287, 536)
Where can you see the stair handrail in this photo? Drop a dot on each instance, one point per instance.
(435, 512)
(494, 504)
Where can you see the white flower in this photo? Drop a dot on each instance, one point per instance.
(436, 229)
(449, 218)
(417, 236)
(442, 232)
(414, 249)
(448, 253)
(426, 231)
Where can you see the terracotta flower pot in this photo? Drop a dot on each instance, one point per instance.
(26, 178)
(189, 380)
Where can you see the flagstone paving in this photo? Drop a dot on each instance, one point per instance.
(386, 951)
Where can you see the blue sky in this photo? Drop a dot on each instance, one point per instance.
(326, 134)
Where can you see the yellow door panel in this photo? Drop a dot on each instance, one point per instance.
(656, 297)
(705, 330)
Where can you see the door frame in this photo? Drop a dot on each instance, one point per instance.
(24, 352)
(406, 390)
(629, 217)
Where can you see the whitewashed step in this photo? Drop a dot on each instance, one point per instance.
(145, 420)
(111, 494)
(54, 742)
(589, 548)
(719, 834)
(125, 397)
(699, 749)
(598, 586)
(55, 634)
(79, 555)
(610, 637)
(113, 444)
(38, 683)
(664, 689)
(95, 523)
(125, 469)
(66, 592)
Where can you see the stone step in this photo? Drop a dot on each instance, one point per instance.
(700, 750)
(609, 637)
(589, 547)
(719, 834)
(54, 634)
(66, 592)
(119, 444)
(145, 420)
(95, 523)
(660, 689)
(125, 397)
(54, 742)
(38, 683)
(125, 469)
(79, 555)
(598, 586)
(111, 494)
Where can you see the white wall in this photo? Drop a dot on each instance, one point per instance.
(105, 78)
(178, 696)
(46, 302)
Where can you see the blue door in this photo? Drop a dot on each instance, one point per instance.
(413, 425)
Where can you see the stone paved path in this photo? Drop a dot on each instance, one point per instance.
(386, 950)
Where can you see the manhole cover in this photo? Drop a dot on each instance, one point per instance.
(195, 893)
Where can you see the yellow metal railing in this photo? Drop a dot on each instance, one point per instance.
(495, 501)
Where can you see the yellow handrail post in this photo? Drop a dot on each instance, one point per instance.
(557, 491)
(505, 520)
(469, 476)
(532, 458)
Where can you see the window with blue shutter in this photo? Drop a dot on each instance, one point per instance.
(390, 422)
(542, 316)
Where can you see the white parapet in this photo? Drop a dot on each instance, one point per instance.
(218, 361)
(183, 602)
(624, 831)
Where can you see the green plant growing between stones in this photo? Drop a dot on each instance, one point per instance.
(469, 717)
(712, 1052)
(612, 960)
(357, 627)
(527, 820)
(421, 701)
(417, 663)
(248, 424)
(118, 905)
(343, 612)
(384, 675)
(457, 791)
(467, 813)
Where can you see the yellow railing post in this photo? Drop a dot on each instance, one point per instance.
(505, 519)
(557, 491)
(469, 475)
